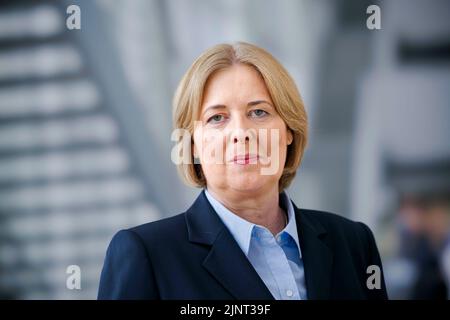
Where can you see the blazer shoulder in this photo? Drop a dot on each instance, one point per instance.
(165, 230)
(329, 219)
(339, 226)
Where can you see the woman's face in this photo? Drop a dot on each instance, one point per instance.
(240, 138)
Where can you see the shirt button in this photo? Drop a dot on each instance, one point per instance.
(278, 238)
(289, 293)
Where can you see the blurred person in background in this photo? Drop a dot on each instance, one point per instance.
(424, 216)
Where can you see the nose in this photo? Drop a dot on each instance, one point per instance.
(243, 138)
(240, 135)
(240, 131)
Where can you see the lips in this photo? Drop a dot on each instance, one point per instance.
(246, 159)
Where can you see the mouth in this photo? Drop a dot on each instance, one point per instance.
(246, 159)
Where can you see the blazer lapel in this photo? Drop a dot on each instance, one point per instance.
(317, 256)
(225, 262)
(229, 265)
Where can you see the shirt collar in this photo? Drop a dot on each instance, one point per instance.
(241, 229)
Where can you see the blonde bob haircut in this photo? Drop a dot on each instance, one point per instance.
(282, 89)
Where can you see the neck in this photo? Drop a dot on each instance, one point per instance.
(261, 208)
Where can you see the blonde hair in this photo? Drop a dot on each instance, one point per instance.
(282, 89)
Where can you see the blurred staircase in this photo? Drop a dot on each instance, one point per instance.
(73, 154)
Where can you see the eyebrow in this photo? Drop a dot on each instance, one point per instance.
(254, 103)
(221, 106)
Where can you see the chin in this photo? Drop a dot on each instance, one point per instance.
(249, 182)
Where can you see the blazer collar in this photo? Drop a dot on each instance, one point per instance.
(316, 254)
(229, 266)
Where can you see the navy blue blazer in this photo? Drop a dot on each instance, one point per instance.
(193, 256)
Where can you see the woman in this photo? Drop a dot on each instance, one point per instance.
(243, 238)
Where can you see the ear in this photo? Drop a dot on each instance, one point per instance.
(194, 149)
(289, 137)
(194, 154)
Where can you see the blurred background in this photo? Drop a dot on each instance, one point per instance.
(85, 125)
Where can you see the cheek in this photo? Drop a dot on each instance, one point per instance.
(277, 142)
(210, 147)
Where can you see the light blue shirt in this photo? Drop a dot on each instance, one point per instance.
(277, 260)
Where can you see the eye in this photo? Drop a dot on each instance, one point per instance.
(215, 118)
(258, 113)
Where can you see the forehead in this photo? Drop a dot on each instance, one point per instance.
(239, 81)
